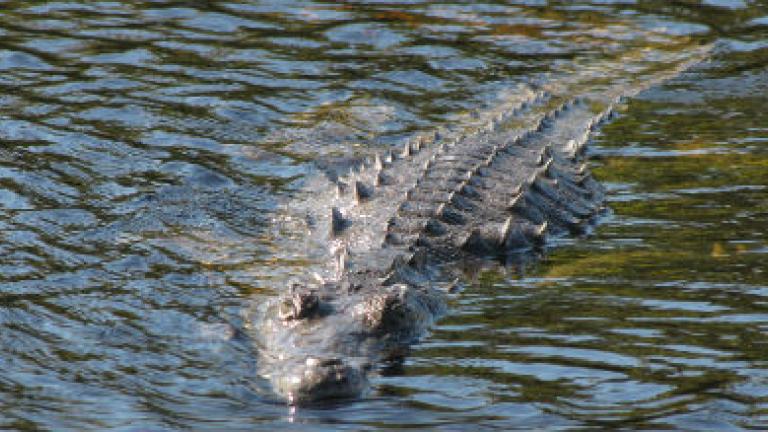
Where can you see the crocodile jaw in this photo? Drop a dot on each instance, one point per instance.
(351, 332)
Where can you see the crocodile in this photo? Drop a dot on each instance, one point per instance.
(393, 232)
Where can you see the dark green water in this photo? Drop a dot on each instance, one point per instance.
(145, 148)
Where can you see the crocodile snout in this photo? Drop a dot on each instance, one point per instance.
(322, 379)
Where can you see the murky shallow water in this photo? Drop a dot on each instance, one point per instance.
(144, 148)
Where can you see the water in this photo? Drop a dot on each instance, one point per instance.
(146, 147)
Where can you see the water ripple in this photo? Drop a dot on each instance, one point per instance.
(145, 148)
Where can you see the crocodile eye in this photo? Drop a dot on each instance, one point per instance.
(299, 306)
(308, 303)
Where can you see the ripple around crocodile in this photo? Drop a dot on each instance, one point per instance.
(392, 231)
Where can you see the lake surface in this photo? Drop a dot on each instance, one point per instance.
(146, 147)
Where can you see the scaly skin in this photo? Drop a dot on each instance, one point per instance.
(395, 228)
(494, 193)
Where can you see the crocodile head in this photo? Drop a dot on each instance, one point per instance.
(314, 346)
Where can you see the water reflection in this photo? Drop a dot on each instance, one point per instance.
(144, 148)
